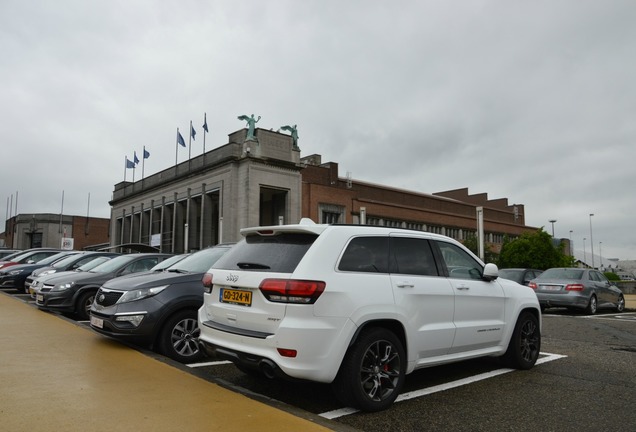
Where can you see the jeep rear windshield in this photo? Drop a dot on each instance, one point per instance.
(279, 253)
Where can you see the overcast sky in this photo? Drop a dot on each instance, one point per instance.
(530, 101)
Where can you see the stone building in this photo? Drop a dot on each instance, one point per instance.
(34, 230)
(264, 181)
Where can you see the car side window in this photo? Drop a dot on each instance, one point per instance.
(412, 256)
(459, 263)
(366, 254)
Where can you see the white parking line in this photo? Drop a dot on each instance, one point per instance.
(214, 363)
(442, 387)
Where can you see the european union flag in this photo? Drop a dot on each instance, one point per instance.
(129, 163)
(192, 132)
(180, 139)
(136, 159)
(146, 154)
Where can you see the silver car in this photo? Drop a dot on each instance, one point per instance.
(577, 288)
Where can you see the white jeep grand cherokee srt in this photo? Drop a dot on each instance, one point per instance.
(361, 307)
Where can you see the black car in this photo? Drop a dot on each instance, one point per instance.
(157, 310)
(522, 276)
(28, 256)
(16, 275)
(74, 292)
(69, 262)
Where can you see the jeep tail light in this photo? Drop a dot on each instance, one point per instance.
(574, 287)
(287, 352)
(207, 283)
(533, 285)
(292, 291)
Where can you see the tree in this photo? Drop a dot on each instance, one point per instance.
(473, 245)
(533, 250)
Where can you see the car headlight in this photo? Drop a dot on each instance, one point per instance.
(63, 286)
(142, 293)
(46, 272)
(15, 272)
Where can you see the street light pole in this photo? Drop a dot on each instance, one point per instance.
(552, 221)
(600, 256)
(584, 254)
(571, 250)
(592, 239)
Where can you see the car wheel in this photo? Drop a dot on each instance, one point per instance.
(82, 310)
(591, 306)
(620, 306)
(525, 343)
(372, 373)
(179, 337)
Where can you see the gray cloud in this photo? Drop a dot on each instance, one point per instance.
(529, 101)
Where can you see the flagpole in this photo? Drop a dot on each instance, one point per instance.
(143, 162)
(176, 153)
(190, 142)
(205, 129)
(125, 167)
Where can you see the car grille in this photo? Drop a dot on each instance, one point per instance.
(106, 297)
(46, 287)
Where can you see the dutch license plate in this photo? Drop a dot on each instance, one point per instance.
(551, 287)
(97, 322)
(239, 297)
(39, 298)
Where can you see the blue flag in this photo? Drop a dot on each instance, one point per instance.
(205, 122)
(136, 159)
(129, 163)
(180, 139)
(192, 131)
(146, 154)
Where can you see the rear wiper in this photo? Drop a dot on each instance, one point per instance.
(177, 271)
(247, 266)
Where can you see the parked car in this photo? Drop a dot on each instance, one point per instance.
(577, 288)
(522, 276)
(37, 283)
(74, 293)
(15, 276)
(70, 262)
(159, 309)
(361, 307)
(5, 253)
(29, 256)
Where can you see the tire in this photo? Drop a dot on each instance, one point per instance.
(372, 372)
(525, 343)
(620, 306)
(179, 336)
(83, 305)
(592, 306)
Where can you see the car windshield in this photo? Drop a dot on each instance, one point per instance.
(55, 258)
(94, 263)
(199, 262)
(64, 261)
(562, 273)
(513, 275)
(279, 253)
(22, 256)
(113, 264)
(168, 262)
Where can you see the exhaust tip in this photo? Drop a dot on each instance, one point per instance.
(268, 368)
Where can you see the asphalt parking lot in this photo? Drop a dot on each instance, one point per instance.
(584, 380)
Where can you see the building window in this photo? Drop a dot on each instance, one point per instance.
(331, 214)
(435, 229)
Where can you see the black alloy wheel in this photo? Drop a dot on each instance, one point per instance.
(179, 337)
(525, 344)
(373, 371)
